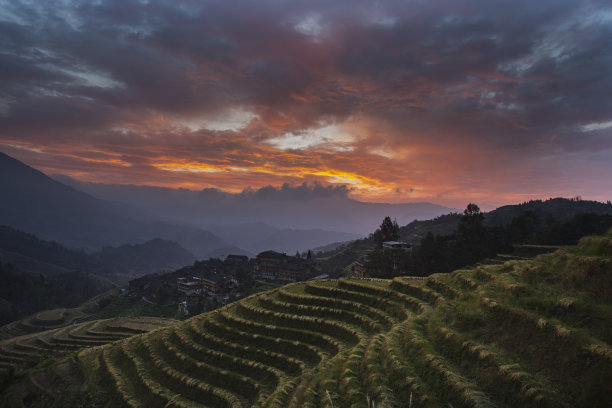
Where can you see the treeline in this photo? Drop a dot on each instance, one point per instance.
(22, 294)
(472, 241)
(533, 228)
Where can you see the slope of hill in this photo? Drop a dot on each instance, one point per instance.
(152, 256)
(560, 209)
(557, 221)
(110, 304)
(417, 230)
(26, 351)
(35, 203)
(29, 254)
(53, 211)
(258, 237)
(22, 263)
(24, 293)
(28, 245)
(524, 333)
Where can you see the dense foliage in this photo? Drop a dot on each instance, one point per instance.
(22, 294)
(472, 241)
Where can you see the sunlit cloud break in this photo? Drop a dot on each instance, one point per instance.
(484, 101)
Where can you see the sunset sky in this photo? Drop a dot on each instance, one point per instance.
(494, 102)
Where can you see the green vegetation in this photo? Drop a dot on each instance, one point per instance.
(16, 241)
(22, 293)
(108, 305)
(532, 333)
(474, 241)
(42, 349)
(454, 240)
(388, 231)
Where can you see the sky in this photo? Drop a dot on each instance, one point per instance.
(446, 101)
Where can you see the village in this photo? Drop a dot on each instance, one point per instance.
(208, 284)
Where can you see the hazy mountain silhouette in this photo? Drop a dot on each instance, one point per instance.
(287, 219)
(560, 209)
(33, 202)
(301, 207)
(155, 255)
(258, 237)
(27, 253)
(222, 253)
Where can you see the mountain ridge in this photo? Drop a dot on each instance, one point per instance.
(35, 203)
(303, 207)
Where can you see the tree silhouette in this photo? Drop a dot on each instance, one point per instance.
(472, 211)
(388, 231)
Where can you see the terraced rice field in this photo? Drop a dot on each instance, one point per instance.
(520, 334)
(27, 350)
(45, 320)
(485, 337)
(55, 318)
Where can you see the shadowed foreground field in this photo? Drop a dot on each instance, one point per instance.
(523, 333)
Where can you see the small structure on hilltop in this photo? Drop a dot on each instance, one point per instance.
(397, 245)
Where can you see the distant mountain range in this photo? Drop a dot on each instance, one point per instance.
(29, 254)
(299, 207)
(258, 237)
(88, 217)
(35, 203)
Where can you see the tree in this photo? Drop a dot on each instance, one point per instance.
(388, 231)
(379, 264)
(431, 256)
(524, 227)
(472, 212)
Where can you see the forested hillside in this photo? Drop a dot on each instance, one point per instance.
(22, 293)
(456, 240)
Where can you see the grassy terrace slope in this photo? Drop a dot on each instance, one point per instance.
(27, 350)
(523, 333)
(56, 318)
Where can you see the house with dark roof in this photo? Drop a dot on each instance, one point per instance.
(272, 265)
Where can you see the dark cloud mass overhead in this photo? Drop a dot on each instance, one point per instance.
(396, 101)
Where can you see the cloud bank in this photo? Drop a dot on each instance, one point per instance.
(398, 101)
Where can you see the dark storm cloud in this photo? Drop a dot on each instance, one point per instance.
(178, 57)
(518, 79)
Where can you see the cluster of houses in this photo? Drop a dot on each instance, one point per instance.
(219, 280)
(276, 266)
(204, 280)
